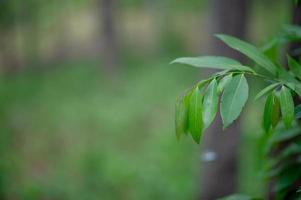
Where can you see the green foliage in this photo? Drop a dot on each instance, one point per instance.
(195, 114)
(250, 51)
(210, 103)
(271, 114)
(239, 197)
(280, 114)
(234, 98)
(287, 106)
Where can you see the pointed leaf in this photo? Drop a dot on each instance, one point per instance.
(250, 51)
(271, 112)
(210, 103)
(287, 106)
(233, 99)
(223, 82)
(181, 120)
(294, 66)
(275, 111)
(216, 62)
(266, 90)
(195, 115)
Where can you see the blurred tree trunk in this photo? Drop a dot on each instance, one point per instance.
(109, 38)
(219, 176)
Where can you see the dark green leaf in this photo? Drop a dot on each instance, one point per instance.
(210, 103)
(266, 90)
(215, 62)
(250, 51)
(294, 66)
(271, 112)
(195, 115)
(234, 98)
(287, 178)
(287, 106)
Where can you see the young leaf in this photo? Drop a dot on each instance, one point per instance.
(215, 62)
(271, 112)
(294, 66)
(195, 115)
(210, 103)
(233, 99)
(181, 120)
(250, 51)
(223, 82)
(266, 90)
(287, 106)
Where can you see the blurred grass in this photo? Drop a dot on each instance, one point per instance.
(70, 133)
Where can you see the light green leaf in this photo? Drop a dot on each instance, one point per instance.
(287, 106)
(210, 103)
(214, 62)
(250, 51)
(266, 90)
(271, 112)
(233, 99)
(181, 119)
(195, 115)
(223, 82)
(294, 66)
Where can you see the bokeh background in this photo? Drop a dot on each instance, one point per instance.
(87, 98)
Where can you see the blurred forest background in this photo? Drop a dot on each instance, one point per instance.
(87, 98)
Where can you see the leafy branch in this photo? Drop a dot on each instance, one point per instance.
(197, 108)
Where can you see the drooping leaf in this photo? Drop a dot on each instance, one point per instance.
(266, 90)
(294, 66)
(250, 51)
(181, 119)
(223, 82)
(210, 103)
(271, 112)
(275, 111)
(287, 106)
(214, 62)
(195, 115)
(234, 98)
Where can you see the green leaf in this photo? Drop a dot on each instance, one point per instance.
(239, 197)
(210, 103)
(287, 106)
(215, 62)
(223, 82)
(233, 99)
(195, 115)
(271, 112)
(181, 119)
(266, 90)
(250, 51)
(287, 178)
(294, 66)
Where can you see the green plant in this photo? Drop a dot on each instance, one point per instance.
(197, 108)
